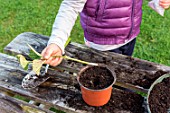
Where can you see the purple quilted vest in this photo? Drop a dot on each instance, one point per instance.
(111, 21)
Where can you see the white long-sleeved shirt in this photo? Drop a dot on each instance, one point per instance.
(64, 22)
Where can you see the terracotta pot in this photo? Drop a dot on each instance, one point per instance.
(96, 97)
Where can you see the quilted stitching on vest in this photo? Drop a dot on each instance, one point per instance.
(111, 21)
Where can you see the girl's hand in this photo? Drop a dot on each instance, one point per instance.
(52, 50)
(164, 3)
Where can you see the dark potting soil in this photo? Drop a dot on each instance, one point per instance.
(96, 78)
(120, 102)
(134, 76)
(159, 99)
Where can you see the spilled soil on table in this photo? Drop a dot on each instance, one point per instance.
(127, 71)
(138, 73)
(159, 99)
(120, 102)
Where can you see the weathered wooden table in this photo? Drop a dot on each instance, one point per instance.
(61, 90)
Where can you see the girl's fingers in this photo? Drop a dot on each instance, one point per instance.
(55, 61)
(43, 52)
(165, 3)
(164, 6)
(48, 61)
(49, 52)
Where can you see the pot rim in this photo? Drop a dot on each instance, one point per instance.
(86, 67)
(158, 80)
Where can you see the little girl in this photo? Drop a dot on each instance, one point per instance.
(109, 25)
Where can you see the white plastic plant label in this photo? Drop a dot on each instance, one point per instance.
(154, 4)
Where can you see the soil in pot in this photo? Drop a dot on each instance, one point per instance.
(159, 99)
(96, 78)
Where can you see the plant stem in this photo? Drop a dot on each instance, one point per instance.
(66, 57)
(77, 60)
(34, 50)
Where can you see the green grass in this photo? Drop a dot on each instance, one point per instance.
(19, 16)
(153, 43)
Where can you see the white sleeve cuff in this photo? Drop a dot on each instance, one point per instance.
(58, 41)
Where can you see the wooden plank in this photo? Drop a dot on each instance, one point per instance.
(62, 87)
(20, 43)
(10, 81)
(19, 105)
(61, 97)
(6, 106)
(58, 97)
(129, 70)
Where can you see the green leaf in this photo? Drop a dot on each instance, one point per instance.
(24, 63)
(37, 64)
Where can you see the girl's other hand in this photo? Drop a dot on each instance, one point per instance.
(164, 3)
